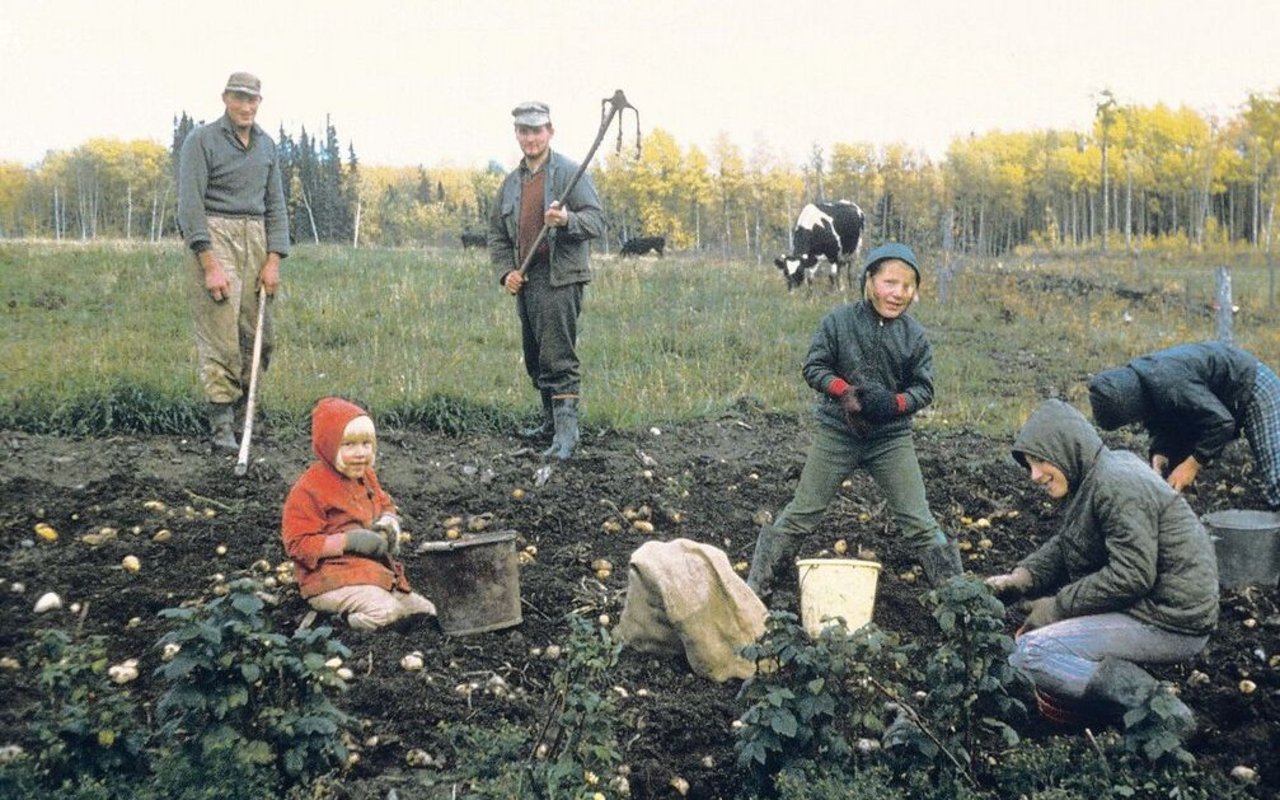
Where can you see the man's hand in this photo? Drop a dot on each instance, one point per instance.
(269, 275)
(215, 277)
(1160, 463)
(1011, 584)
(878, 403)
(513, 281)
(1041, 612)
(389, 524)
(1184, 474)
(556, 216)
(365, 542)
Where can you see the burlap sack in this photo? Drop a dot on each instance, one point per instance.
(683, 596)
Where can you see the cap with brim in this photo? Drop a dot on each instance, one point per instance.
(532, 114)
(245, 83)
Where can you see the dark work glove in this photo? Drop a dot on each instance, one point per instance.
(365, 543)
(1041, 612)
(878, 403)
(853, 412)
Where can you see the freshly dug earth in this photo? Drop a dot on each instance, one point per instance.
(705, 481)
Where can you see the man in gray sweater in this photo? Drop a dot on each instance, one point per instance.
(231, 212)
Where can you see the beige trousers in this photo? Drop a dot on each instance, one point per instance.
(368, 607)
(224, 330)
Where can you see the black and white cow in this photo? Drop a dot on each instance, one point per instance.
(640, 245)
(823, 230)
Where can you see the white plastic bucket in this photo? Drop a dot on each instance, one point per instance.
(836, 587)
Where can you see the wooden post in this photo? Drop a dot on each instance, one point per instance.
(1224, 316)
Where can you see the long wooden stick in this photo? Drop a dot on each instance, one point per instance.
(242, 462)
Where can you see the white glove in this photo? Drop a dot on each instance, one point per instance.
(390, 525)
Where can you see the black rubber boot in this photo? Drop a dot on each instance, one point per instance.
(941, 562)
(222, 430)
(773, 547)
(547, 426)
(1128, 685)
(564, 415)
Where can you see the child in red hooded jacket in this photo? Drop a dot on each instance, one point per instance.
(342, 530)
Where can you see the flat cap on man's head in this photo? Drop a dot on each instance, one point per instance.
(532, 114)
(245, 83)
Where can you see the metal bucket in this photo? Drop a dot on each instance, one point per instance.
(474, 582)
(1248, 546)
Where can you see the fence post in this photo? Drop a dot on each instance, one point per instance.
(1225, 317)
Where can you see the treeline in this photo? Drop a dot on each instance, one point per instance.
(1139, 175)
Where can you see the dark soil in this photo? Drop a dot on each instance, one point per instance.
(711, 478)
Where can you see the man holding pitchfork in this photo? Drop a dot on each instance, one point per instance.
(232, 215)
(549, 290)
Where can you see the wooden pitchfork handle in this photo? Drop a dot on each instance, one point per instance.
(610, 108)
(242, 462)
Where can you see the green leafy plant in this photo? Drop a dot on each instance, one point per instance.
(87, 726)
(970, 682)
(1155, 731)
(235, 682)
(812, 698)
(575, 750)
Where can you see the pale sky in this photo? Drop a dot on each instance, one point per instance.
(433, 83)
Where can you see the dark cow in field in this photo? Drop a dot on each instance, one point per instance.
(641, 245)
(823, 230)
(470, 240)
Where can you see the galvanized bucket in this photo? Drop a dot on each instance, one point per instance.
(1248, 546)
(474, 582)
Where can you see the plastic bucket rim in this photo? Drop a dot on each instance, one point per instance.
(844, 562)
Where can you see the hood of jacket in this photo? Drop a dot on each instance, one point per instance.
(1059, 434)
(1117, 398)
(329, 420)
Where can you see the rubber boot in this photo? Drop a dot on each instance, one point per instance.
(547, 426)
(1128, 685)
(941, 561)
(564, 415)
(772, 548)
(222, 430)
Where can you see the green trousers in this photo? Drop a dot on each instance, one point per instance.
(891, 462)
(549, 331)
(224, 330)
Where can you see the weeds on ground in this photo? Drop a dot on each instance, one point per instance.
(574, 752)
(235, 682)
(815, 699)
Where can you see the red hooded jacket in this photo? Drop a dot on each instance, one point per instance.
(324, 504)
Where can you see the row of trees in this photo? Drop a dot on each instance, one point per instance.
(1140, 174)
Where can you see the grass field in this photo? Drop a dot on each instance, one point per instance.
(97, 337)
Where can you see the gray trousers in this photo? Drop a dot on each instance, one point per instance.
(1062, 658)
(549, 331)
(892, 464)
(224, 330)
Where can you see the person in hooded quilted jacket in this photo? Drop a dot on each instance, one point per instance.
(1129, 576)
(341, 528)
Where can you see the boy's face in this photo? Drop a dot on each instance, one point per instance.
(892, 288)
(355, 453)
